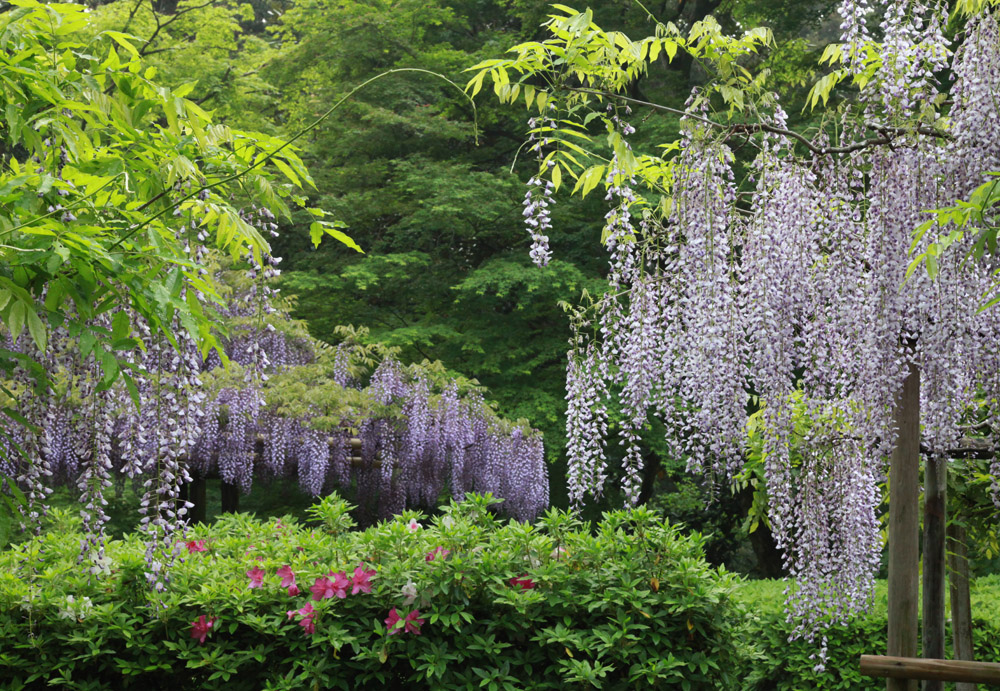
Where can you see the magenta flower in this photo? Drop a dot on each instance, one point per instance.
(437, 552)
(413, 622)
(307, 614)
(523, 581)
(256, 576)
(324, 588)
(201, 626)
(287, 576)
(361, 580)
(341, 583)
(293, 590)
(196, 546)
(391, 621)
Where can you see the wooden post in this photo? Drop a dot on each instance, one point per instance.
(961, 604)
(904, 527)
(230, 498)
(935, 485)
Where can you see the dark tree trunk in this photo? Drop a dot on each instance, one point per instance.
(196, 496)
(769, 561)
(230, 498)
(904, 527)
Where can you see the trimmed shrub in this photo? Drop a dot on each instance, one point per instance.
(781, 665)
(628, 603)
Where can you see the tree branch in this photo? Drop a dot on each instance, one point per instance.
(888, 134)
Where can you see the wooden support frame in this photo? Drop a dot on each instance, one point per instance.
(931, 670)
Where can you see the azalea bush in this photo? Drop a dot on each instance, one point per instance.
(460, 600)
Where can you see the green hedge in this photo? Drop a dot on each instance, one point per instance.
(780, 665)
(628, 603)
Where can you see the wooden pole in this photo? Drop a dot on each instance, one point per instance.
(902, 668)
(935, 485)
(904, 527)
(961, 603)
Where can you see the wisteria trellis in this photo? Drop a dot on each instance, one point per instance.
(422, 435)
(798, 300)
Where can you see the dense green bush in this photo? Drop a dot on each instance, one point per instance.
(628, 603)
(783, 665)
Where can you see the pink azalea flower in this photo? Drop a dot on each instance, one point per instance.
(287, 576)
(340, 583)
(201, 626)
(324, 587)
(391, 621)
(361, 580)
(523, 581)
(196, 546)
(256, 576)
(308, 625)
(306, 612)
(413, 622)
(437, 552)
(293, 590)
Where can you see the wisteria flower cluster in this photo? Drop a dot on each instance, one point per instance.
(799, 302)
(189, 415)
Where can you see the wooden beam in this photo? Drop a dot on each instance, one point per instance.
(938, 670)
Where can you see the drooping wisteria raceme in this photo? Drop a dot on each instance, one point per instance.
(795, 298)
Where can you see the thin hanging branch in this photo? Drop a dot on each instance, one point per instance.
(887, 134)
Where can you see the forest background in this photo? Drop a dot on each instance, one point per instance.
(428, 190)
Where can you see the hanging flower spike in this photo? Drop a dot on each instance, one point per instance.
(523, 581)
(436, 553)
(196, 546)
(201, 626)
(413, 525)
(256, 576)
(361, 580)
(392, 621)
(413, 622)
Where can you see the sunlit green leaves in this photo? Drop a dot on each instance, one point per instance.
(120, 174)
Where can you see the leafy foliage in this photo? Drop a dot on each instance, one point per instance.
(626, 603)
